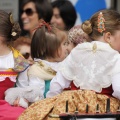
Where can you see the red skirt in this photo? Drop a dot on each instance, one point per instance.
(4, 85)
(8, 112)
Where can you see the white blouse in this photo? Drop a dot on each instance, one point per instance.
(6, 62)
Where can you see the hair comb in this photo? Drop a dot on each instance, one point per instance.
(101, 23)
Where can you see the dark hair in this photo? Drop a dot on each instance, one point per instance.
(112, 23)
(67, 12)
(9, 29)
(43, 8)
(45, 43)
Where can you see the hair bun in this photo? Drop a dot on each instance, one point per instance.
(87, 27)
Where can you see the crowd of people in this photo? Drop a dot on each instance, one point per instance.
(58, 61)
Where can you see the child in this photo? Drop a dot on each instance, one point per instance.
(94, 69)
(48, 47)
(11, 63)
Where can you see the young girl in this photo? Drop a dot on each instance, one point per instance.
(94, 69)
(11, 63)
(75, 36)
(48, 47)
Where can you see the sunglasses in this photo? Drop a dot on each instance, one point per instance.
(28, 12)
(26, 55)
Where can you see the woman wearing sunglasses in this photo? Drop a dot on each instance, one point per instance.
(32, 11)
(22, 44)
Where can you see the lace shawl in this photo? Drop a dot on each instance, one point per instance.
(91, 65)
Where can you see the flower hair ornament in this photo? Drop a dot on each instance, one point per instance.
(12, 22)
(43, 23)
(101, 23)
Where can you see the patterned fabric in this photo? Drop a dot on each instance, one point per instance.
(9, 73)
(76, 35)
(41, 70)
(20, 62)
(76, 99)
(8, 77)
(106, 91)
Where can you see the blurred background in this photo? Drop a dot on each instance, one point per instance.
(84, 8)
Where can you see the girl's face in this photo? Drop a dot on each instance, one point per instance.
(115, 41)
(57, 19)
(62, 51)
(70, 46)
(29, 17)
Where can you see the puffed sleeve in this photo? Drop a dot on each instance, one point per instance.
(58, 83)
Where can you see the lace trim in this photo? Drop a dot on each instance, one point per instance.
(12, 78)
(91, 70)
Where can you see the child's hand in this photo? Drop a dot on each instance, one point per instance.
(16, 102)
(21, 102)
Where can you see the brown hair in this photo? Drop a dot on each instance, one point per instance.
(45, 43)
(22, 41)
(8, 26)
(112, 23)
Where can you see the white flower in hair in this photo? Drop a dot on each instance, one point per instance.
(14, 34)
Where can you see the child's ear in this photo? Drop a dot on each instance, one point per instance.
(107, 37)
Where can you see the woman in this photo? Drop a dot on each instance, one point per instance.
(64, 14)
(32, 12)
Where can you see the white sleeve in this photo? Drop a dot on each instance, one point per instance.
(37, 83)
(58, 83)
(116, 85)
(31, 81)
(22, 80)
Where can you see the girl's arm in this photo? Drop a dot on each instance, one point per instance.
(116, 85)
(58, 83)
(30, 81)
(22, 80)
(38, 85)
